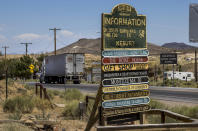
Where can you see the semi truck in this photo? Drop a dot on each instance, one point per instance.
(61, 68)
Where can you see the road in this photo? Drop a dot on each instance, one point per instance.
(186, 95)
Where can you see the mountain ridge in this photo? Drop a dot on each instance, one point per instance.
(93, 46)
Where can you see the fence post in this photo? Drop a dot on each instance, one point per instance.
(45, 93)
(36, 90)
(86, 102)
(141, 117)
(162, 117)
(41, 89)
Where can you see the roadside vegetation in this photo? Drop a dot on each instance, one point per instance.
(190, 111)
(18, 68)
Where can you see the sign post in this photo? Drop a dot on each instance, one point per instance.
(124, 63)
(123, 92)
(168, 58)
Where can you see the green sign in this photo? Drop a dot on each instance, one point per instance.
(124, 29)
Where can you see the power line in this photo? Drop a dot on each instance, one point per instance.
(26, 45)
(55, 29)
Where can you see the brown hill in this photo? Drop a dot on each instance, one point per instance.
(93, 46)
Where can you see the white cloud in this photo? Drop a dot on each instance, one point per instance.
(66, 33)
(2, 38)
(31, 37)
(27, 36)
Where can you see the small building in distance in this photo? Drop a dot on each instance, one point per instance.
(185, 76)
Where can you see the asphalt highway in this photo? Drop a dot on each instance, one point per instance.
(176, 94)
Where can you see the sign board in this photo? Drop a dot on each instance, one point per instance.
(118, 119)
(125, 88)
(125, 74)
(193, 20)
(125, 102)
(125, 81)
(124, 29)
(125, 67)
(124, 60)
(123, 95)
(114, 53)
(124, 64)
(31, 66)
(168, 58)
(125, 110)
(31, 71)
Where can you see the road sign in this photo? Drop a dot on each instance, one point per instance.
(31, 71)
(125, 67)
(168, 58)
(125, 74)
(125, 110)
(124, 60)
(125, 88)
(125, 102)
(31, 66)
(124, 95)
(117, 53)
(125, 81)
(193, 20)
(124, 29)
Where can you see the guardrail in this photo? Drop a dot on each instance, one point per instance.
(187, 122)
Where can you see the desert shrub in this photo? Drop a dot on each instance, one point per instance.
(157, 105)
(183, 110)
(22, 91)
(28, 87)
(56, 93)
(71, 110)
(23, 104)
(16, 115)
(15, 127)
(42, 105)
(73, 94)
(52, 93)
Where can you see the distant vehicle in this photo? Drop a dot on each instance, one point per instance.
(63, 67)
(186, 76)
(38, 75)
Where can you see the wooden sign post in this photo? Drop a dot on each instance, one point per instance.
(123, 91)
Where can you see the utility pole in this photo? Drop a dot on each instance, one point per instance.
(55, 29)
(26, 45)
(195, 65)
(5, 47)
(6, 69)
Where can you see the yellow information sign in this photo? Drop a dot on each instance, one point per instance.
(125, 67)
(32, 71)
(31, 66)
(125, 88)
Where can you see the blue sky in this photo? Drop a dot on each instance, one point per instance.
(30, 20)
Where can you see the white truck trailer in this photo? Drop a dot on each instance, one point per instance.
(63, 67)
